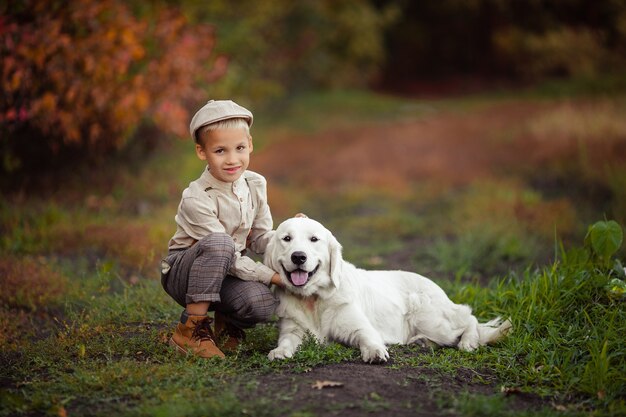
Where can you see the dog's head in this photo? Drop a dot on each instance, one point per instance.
(306, 255)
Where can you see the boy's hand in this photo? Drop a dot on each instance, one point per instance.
(277, 281)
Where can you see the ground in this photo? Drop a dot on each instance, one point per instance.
(396, 191)
(354, 389)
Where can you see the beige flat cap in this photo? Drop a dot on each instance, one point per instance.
(215, 111)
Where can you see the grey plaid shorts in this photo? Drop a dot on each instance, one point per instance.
(200, 273)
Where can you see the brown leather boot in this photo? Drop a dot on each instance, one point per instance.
(196, 337)
(229, 336)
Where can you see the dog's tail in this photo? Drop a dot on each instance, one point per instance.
(493, 330)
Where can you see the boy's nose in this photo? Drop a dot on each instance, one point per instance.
(230, 158)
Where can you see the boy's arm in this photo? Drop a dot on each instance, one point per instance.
(259, 236)
(199, 220)
(261, 231)
(247, 269)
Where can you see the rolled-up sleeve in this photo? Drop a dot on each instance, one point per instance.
(248, 269)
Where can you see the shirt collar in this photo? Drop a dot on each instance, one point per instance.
(209, 181)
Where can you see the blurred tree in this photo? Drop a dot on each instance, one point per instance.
(284, 46)
(533, 39)
(81, 76)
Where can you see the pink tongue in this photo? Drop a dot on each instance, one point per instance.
(299, 277)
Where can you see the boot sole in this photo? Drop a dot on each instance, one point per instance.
(182, 351)
(178, 348)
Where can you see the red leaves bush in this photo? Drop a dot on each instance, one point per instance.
(85, 74)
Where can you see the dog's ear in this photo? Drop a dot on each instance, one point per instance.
(268, 258)
(336, 261)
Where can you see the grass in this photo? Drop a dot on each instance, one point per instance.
(84, 321)
(108, 354)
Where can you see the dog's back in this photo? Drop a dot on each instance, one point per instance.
(424, 311)
(384, 298)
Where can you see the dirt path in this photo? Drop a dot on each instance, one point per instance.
(452, 148)
(377, 390)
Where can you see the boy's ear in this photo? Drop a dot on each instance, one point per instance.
(200, 152)
(250, 143)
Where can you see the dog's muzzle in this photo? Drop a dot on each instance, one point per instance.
(299, 277)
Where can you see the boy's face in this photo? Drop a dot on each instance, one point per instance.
(227, 153)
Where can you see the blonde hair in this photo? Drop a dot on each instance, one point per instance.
(234, 123)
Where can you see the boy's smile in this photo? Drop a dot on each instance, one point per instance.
(227, 152)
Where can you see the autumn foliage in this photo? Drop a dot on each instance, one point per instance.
(84, 74)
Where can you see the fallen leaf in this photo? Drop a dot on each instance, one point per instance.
(510, 390)
(326, 384)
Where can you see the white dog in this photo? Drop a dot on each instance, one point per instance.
(333, 300)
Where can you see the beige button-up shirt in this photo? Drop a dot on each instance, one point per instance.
(239, 209)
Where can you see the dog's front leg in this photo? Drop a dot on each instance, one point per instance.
(351, 326)
(291, 336)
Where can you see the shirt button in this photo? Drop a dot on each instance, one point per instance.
(241, 199)
(234, 239)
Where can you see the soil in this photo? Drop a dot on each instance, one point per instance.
(357, 389)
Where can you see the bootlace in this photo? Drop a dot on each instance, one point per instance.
(202, 331)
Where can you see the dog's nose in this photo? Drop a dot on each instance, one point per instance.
(298, 258)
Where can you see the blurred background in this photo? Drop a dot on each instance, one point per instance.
(459, 138)
(471, 141)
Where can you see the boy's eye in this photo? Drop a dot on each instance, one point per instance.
(314, 239)
(241, 148)
(287, 238)
(219, 151)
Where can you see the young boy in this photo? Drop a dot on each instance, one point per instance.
(220, 215)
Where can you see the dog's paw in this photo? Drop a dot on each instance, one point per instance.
(374, 353)
(468, 345)
(280, 353)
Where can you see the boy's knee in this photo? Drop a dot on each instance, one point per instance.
(264, 308)
(217, 243)
(260, 306)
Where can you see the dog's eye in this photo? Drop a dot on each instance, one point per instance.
(287, 238)
(314, 239)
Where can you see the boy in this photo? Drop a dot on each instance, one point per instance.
(220, 214)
